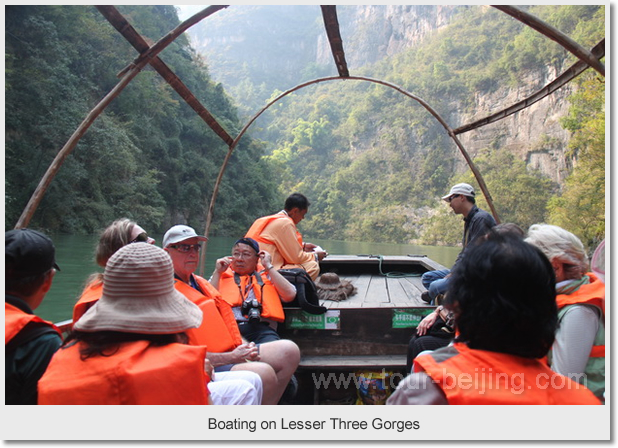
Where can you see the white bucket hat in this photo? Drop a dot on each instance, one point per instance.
(180, 233)
(139, 295)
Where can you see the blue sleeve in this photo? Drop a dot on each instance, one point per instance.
(479, 226)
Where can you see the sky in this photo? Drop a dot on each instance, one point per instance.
(186, 11)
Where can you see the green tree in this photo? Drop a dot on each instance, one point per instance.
(519, 196)
(580, 207)
(148, 156)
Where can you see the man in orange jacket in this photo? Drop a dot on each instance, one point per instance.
(277, 234)
(254, 289)
(29, 341)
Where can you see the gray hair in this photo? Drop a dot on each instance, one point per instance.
(560, 245)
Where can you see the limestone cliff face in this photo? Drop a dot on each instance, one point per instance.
(533, 134)
(273, 46)
(371, 33)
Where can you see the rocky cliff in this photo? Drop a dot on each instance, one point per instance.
(274, 46)
(371, 33)
(533, 134)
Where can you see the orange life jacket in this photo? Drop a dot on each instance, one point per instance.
(219, 330)
(89, 297)
(233, 290)
(258, 226)
(468, 376)
(138, 373)
(15, 320)
(592, 294)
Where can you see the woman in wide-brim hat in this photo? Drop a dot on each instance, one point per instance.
(130, 347)
(331, 287)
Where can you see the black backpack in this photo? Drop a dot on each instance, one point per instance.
(306, 292)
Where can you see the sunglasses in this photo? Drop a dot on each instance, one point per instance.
(186, 248)
(142, 238)
(451, 198)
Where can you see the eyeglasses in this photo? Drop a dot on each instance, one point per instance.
(142, 238)
(243, 255)
(451, 198)
(186, 248)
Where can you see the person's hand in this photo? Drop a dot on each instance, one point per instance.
(209, 369)
(426, 324)
(222, 264)
(265, 258)
(247, 352)
(322, 255)
(308, 247)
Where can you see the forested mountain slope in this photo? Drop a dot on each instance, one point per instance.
(372, 162)
(375, 162)
(149, 157)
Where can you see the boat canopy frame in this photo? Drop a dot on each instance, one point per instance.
(148, 55)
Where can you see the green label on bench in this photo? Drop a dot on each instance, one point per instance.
(408, 318)
(300, 319)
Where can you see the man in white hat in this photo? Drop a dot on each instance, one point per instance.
(275, 362)
(476, 224)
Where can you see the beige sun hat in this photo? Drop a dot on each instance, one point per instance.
(331, 287)
(139, 295)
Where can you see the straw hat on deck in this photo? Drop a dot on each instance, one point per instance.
(331, 287)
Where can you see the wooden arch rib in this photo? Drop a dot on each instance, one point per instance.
(555, 35)
(329, 13)
(423, 103)
(149, 55)
(572, 72)
(119, 22)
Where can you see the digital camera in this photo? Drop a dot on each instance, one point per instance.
(251, 309)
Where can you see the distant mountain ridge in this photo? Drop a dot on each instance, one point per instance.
(375, 162)
(244, 51)
(243, 39)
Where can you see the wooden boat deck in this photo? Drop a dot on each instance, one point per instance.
(379, 291)
(381, 281)
(370, 330)
(376, 321)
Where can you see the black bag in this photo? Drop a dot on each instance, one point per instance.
(443, 328)
(306, 292)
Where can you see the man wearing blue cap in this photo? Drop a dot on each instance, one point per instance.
(30, 342)
(254, 289)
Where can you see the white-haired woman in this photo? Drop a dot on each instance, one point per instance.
(579, 349)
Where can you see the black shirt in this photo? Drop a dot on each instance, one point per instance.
(27, 356)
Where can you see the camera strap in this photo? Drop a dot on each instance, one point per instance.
(245, 294)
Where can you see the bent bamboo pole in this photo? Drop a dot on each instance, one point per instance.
(53, 169)
(571, 73)
(448, 129)
(555, 35)
(127, 76)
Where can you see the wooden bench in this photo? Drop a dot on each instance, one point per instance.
(352, 362)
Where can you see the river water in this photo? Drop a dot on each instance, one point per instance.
(75, 256)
